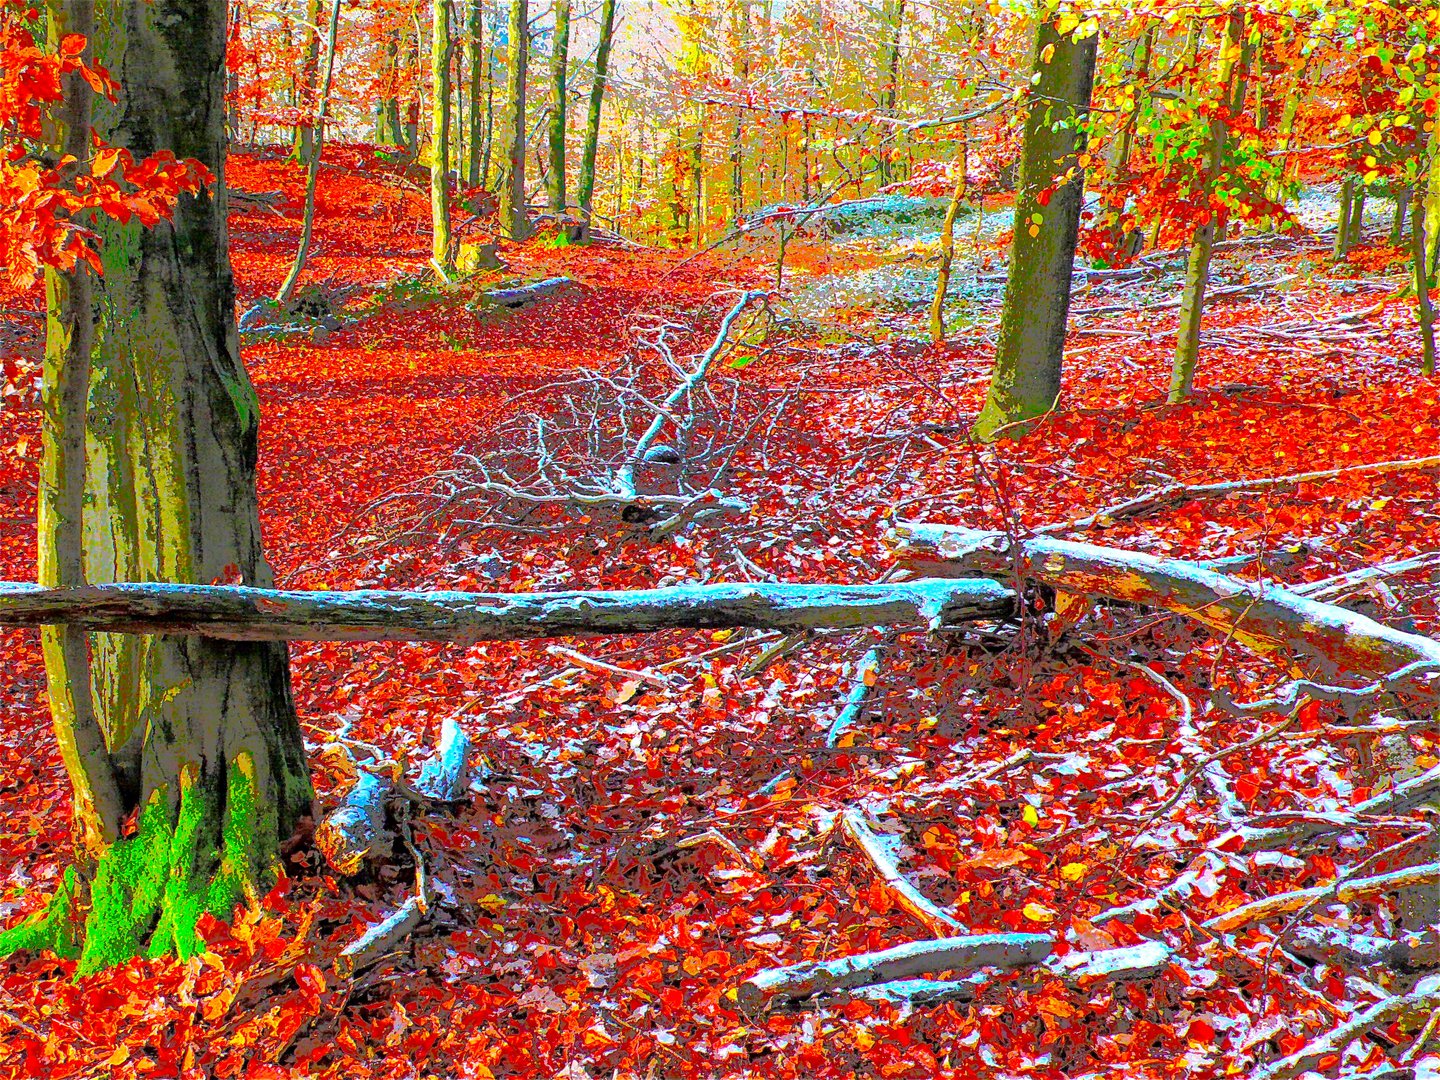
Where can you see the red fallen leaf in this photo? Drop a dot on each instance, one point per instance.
(1200, 1031)
(1246, 788)
(310, 978)
(1232, 843)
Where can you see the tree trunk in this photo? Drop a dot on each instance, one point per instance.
(1425, 309)
(1342, 225)
(387, 113)
(1202, 246)
(1397, 225)
(586, 195)
(475, 55)
(947, 242)
(198, 738)
(890, 89)
(517, 220)
(440, 245)
(304, 138)
(412, 106)
(312, 180)
(1026, 379)
(559, 65)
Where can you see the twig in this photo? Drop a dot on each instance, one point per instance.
(911, 899)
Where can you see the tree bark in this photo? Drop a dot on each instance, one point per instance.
(559, 66)
(1342, 225)
(586, 194)
(890, 88)
(387, 113)
(200, 738)
(517, 219)
(1025, 381)
(304, 138)
(1202, 246)
(232, 613)
(441, 248)
(476, 55)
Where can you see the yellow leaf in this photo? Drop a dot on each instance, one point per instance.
(863, 1039)
(492, 903)
(1030, 815)
(1038, 913)
(722, 635)
(1047, 54)
(1073, 871)
(120, 1056)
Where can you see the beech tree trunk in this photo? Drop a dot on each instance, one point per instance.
(150, 431)
(890, 89)
(1202, 246)
(475, 55)
(1343, 224)
(440, 245)
(559, 65)
(586, 194)
(517, 220)
(387, 113)
(304, 138)
(1026, 379)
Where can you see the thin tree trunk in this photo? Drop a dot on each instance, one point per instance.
(199, 738)
(586, 194)
(1341, 247)
(412, 106)
(559, 66)
(1424, 308)
(312, 179)
(947, 241)
(517, 220)
(441, 253)
(1397, 225)
(1025, 382)
(304, 140)
(475, 55)
(1197, 273)
(890, 91)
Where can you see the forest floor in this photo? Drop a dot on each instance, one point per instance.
(620, 870)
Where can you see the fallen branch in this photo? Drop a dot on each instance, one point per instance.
(1341, 891)
(600, 667)
(902, 962)
(1330, 588)
(1218, 294)
(238, 613)
(1382, 1014)
(1259, 615)
(1399, 799)
(865, 677)
(382, 938)
(446, 777)
(1179, 493)
(911, 899)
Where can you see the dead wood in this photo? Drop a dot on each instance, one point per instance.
(925, 911)
(238, 613)
(1262, 616)
(1174, 494)
(355, 830)
(1341, 891)
(800, 981)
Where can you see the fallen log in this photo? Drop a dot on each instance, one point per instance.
(521, 295)
(355, 830)
(902, 962)
(240, 613)
(1260, 615)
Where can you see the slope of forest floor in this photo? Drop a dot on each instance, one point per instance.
(621, 870)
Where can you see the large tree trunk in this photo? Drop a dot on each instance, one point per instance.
(440, 246)
(1197, 273)
(890, 88)
(387, 112)
(586, 194)
(559, 66)
(199, 737)
(1026, 378)
(517, 220)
